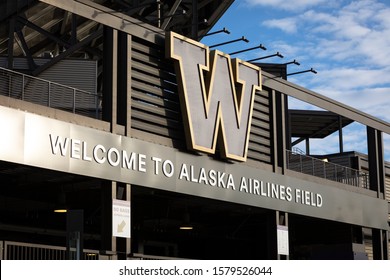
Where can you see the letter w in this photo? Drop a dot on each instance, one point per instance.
(218, 104)
(59, 145)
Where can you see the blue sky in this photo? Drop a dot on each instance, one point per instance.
(346, 42)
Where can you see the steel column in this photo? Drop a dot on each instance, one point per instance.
(377, 183)
(279, 133)
(109, 76)
(376, 161)
(124, 118)
(341, 146)
(108, 242)
(380, 244)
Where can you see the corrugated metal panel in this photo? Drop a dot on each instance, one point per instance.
(342, 160)
(21, 63)
(77, 73)
(80, 74)
(156, 108)
(155, 103)
(387, 187)
(260, 137)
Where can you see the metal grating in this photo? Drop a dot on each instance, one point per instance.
(327, 170)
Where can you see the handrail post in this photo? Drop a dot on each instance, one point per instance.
(74, 100)
(300, 163)
(49, 92)
(23, 87)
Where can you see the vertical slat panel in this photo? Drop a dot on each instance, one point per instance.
(155, 104)
(260, 137)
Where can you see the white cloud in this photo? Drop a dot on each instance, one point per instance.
(285, 49)
(353, 78)
(355, 32)
(288, 25)
(296, 5)
(358, 32)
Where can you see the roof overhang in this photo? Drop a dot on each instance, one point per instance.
(315, 124)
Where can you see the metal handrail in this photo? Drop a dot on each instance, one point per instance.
(11, 250)
(28, 251)
(327, 170)
(43, 80)
(47, 93)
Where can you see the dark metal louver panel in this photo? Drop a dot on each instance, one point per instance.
(155, 103)
(387, 189)
(260, 137)
(80, 74)
(76, 73)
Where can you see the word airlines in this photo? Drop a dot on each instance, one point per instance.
(216, 96)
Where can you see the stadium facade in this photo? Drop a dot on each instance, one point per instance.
(159, 148)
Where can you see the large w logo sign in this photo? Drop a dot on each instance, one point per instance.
(216, 98)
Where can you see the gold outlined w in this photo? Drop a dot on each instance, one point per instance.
(217, 105)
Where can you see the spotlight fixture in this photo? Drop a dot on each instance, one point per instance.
(304, 71)
(278, 54)
(223, 30)
(261, 46)
(60, 206)
(186, 225)
(292, 62)
(232, 41)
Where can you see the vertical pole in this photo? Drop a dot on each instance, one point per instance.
(380, 244)
(108, 242)
(122, 78)
(376, 161)
(11, 39)
(377, 183)
(74, 29)
(74, 234)
(279, 136)
(272, 245)
(109, 113)
(122, 100)
(109, 76)
(341, 146)
(307, 140)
